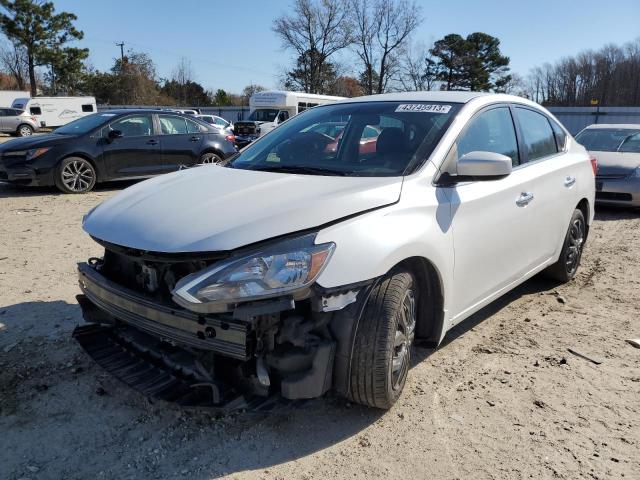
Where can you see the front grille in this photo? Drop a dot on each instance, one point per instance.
(624, 197)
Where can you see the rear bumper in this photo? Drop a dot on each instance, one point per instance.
(618, 191)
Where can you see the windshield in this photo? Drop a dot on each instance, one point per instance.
(605, 139)
(354, 139)
(264, 115)
(84, 124)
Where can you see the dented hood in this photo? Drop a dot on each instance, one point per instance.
(213, 208)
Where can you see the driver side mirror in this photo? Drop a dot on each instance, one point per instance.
(484, 165)
(113, 134)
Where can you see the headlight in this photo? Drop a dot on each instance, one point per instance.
(28, 154)
(286, 267)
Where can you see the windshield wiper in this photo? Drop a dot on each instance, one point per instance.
(301, 169)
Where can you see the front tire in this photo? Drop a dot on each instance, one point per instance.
(24, 130)
(382, 349)
(75, 175)
(567, 265)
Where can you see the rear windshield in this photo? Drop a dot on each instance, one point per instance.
(355, 139)
(605, 139)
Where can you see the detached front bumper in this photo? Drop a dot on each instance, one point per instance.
(623, 191)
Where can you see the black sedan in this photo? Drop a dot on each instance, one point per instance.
(113, 145)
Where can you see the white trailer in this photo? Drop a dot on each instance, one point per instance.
(56, 111)
(7, 97)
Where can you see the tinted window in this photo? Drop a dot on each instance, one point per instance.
(490, 131)
(631, 144)
(305, 143)
(539, 140)
(193, 127)
(604, 139)
(87, 108)
(170, 125)
(35, 111)
(134, 126)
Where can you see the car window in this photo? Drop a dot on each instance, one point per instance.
(134, 126)
(170, 125)
(561, 135)
(194, 127)
(490, 131)
(87, 108)
(631, 144)
(221, 122)
(604, 139)
(328, 139)
(35, 111)
(539, 140)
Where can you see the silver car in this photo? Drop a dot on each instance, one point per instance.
(17, 122)
(616, 148)
(216, 121)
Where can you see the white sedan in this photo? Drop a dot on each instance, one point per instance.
(309, 263)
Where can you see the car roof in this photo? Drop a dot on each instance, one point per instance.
(618, 126)
(435, 96)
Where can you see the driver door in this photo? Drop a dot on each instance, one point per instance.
(494, 231)
(136, 152)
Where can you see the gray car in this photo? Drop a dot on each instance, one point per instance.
(616, 148)
(17, 122)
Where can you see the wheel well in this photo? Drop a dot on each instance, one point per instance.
(583, 206)
(212, 150)
(430, 320)
(88, 159)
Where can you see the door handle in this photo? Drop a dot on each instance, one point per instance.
(194, 138)
(569, 182)
(524, 199)
(152, 142)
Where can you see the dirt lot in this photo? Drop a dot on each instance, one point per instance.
(501, 398)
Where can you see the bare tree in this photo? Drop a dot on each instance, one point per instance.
(182, 75)
(418, 69)
(314, 31)
(13, 60)
(382, 29)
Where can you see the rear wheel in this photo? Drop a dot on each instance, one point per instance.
(382, 349)
(24, 130)
(210, 158)
(567, 265)
(75, 175)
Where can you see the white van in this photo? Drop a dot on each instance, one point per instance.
(270, 108)
(56, 111)
(7, 97)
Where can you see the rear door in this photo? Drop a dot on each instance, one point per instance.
(494, 221)
(136, 153)
(181, 139)
(558, 177)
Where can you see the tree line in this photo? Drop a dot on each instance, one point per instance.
(377, 37)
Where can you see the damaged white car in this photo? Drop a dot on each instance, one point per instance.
(314, 259)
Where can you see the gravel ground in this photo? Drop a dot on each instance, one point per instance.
(502, 398)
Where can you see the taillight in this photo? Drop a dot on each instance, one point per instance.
(231, 138)
(594, 164)
(34, 119)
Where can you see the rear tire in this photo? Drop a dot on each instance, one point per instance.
(75, 175)
(24, 130)
(567, 265)
(209, 158)
(382, 349)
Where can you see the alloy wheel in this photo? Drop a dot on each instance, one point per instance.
(25, 131)
(78, 176)
(405, 332)
(210, 158)
(576, 243)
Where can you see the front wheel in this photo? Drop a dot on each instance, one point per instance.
(75, 175)
(382, 349)
(210, 158)
(24, 130)
(567, 265)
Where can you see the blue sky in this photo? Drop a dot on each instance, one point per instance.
(230, 43)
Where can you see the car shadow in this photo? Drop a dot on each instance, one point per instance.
(8, 190)
(607, 213)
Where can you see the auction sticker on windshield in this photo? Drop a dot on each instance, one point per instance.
(423, 108)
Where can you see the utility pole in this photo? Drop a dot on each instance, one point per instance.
(121, 45)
